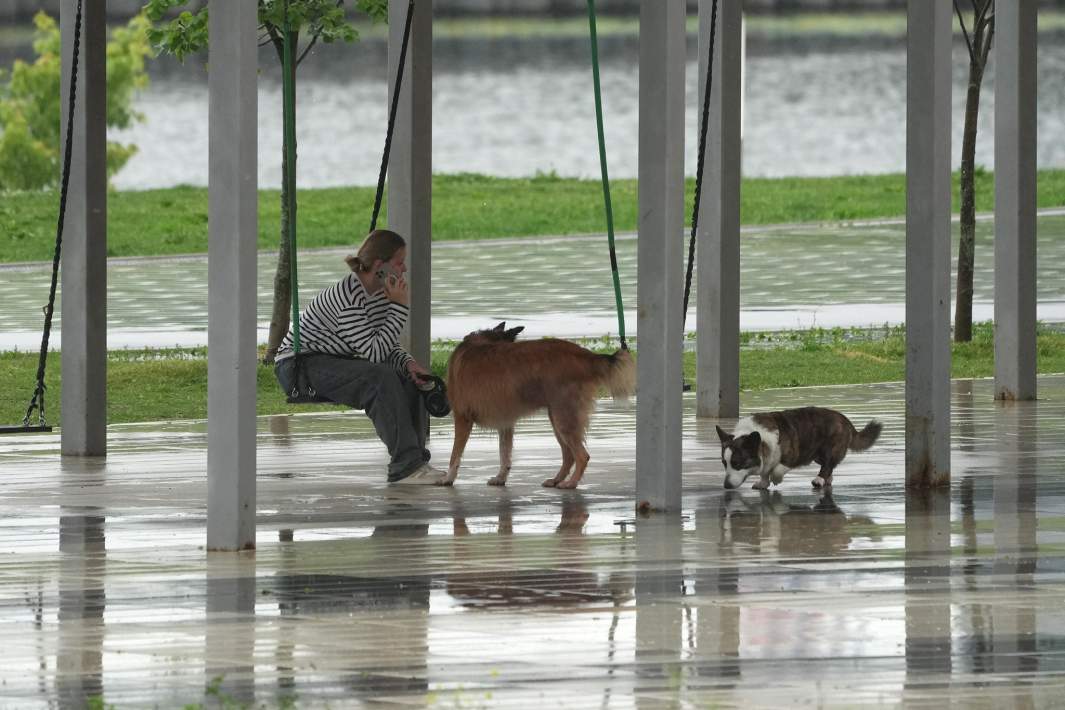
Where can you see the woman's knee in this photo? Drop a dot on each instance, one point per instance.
(387, 386)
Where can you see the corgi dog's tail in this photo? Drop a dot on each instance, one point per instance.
(866, 437)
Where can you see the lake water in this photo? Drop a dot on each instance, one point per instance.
(518, 106)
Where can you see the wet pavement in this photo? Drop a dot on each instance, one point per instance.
(793, 277)
(364, 595)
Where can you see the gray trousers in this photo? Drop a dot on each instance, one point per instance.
(391, 401)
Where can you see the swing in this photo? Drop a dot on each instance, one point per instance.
(699, 172)
(705, 121)
(37, 401)
(302, 392)
(704, 124)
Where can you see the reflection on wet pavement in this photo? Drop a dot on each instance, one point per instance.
(478, 597)
(834, 276)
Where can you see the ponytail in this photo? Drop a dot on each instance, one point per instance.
(379, 245)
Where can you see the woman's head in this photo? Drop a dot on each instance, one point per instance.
(380, 245)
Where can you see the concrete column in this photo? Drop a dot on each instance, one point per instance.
(410, 167)
(718, 250)
(660, 253)
(232, 219)
(84, 286)
(1015, 199)
(928, 190)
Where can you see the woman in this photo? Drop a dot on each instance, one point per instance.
(350, 354)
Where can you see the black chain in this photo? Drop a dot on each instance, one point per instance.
(699, 169)
(392, 117)
(37, 401)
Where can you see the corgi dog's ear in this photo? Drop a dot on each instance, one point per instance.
(724, 435)
(513, 332)
(501, 327)
(753, 442)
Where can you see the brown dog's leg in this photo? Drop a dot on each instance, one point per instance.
(581, 458)
(571, 426)
(506, 446)
(567, 456)
(463, 427)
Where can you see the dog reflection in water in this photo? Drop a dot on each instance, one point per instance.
(770, 521)
(509, 581)
(493, 380)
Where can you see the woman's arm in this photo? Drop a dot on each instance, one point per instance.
(398, 359)
(375, 344)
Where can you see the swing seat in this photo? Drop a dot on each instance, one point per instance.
(28, 429)
(307, 399)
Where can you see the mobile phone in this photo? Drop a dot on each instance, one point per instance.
(386, 269)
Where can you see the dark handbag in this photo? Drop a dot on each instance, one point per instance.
(434, 397)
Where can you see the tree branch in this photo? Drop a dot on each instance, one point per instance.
(279, 44)
(987, 43)
(314, 40)
(961, 21)
(310, 46)
(982, 18)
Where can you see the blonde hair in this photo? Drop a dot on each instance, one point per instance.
(380, 244)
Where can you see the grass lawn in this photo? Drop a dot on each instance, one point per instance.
(158, 385)
(174, 221)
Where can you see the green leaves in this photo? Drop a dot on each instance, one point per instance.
(183, 35)
(30, 104)
(317, 20)
(156, 10)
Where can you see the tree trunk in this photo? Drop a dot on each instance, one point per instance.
(280, 320)
(963, 306)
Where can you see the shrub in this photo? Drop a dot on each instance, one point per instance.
(30, 104)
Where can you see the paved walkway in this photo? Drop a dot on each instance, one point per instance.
(363, 595)
(793, 277)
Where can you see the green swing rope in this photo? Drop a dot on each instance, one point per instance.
(605, 175)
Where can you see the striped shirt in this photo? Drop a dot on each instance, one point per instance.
(346, 320)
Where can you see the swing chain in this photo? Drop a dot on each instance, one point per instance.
(37, 401)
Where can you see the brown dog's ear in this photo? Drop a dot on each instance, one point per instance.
(513, 332)
(724, 435)
(501, 327)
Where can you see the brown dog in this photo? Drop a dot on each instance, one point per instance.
(493, 381)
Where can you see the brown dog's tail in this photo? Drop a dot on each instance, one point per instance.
(620, 376)
(866, 437)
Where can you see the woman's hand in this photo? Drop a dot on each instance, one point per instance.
(395, 289)
(417, 373)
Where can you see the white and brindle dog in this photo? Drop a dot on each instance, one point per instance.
(768, 445)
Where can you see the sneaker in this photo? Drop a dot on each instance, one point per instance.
(424, 475)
